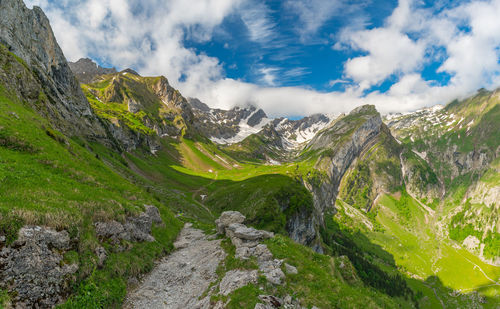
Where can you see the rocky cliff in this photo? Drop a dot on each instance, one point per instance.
(344, 142)
(87, 70)
(27, 34)
(334, 148)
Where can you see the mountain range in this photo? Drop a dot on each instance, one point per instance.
(100, 170)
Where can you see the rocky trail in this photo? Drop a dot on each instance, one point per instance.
(180, 279)
(188, 278)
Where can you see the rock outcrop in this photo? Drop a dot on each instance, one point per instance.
(340, 144)
(134, 229)
(87, 70)
(27, 34)
(246, 240)
(32, 268)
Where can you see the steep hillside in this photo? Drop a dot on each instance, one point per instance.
(49, 182)
(97, 179)
(461, 144)
(50, 78)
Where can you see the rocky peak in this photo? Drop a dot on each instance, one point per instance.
(87, 70)
(197, 104)
(27, 34)
(256, 118)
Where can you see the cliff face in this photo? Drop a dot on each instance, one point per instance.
(344, 141)
(27, 34)
(337, 147)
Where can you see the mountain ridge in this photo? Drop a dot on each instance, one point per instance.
(397, 223)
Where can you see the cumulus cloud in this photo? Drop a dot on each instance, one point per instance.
(150, 36)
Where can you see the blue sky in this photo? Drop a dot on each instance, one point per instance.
(293, 57)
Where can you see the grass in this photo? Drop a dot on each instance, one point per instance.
(48, 179)
(319, 281)
(419, 253)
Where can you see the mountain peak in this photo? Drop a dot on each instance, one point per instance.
(364, 109)
(86, 70)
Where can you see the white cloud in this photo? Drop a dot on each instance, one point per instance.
(260, 26)
(149, 36)
(313, 14)
(268, 76)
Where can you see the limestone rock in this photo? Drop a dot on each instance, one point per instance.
(134, 229)
(133, 106)
(87, 70)
(32, 267)
(245, 233)
(227, 218)
(291, 269)
(27, 33)
(154, 214)
(101, 256)
(235, 279)
(109, 229)
(272, 271)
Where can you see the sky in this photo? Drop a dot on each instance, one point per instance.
(291, 57)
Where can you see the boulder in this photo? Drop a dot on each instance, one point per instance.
(272, 271)
(227, 218)
(32, 267)
(154, 214)
(134, 229)
(235, 279)
(291, 269)
(245, 233)
(101, 256)
(109, 229)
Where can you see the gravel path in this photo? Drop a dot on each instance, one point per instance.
(180, 279)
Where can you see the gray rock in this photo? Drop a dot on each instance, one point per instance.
(262, 253)
(245, 233)
(101, 256)
(272, 271)
(109, 229)
(135, 228)
(32, 267)
(273, 301)
(2, 239)
(227, 218)
(87, 70)
(243, 253)
(27, 33)
(133, 106)
(154, 214)
(291, 269)
(235, 279)
(139, 228)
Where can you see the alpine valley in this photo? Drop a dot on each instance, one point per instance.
(116, 190)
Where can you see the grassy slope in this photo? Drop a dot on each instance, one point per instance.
(51, 180)
(434, 266)
(466, 125)
(177, 177)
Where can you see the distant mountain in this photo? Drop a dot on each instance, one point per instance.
(98, 177)
(234, 125)
(86, 70)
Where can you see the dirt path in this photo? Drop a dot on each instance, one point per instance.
(195, 193)
(180, 279)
